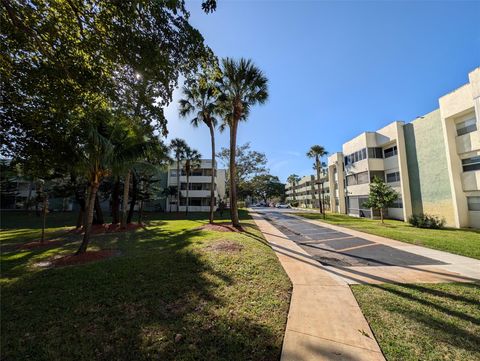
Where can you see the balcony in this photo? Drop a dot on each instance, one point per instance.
(468, 142)
(471, 181)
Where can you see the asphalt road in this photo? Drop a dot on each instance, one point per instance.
(334, 248)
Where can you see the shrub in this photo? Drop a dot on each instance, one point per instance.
(423, 220)
(294, 204)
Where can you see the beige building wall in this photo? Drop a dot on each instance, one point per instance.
(455, 107)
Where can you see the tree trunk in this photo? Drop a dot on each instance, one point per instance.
(116, 201)
(29, 197)
(212, 182)
(98, 211)
(323, 202)
(233, 175)
(44, 217)
(140, 212)
(188, 182)
(82, 212)
(80, 220)
(317, 166)
(134, 198)
(126, 188)
(381, 215)
(178, 185)
(92, 193)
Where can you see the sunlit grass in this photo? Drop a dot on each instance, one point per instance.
(166, 282)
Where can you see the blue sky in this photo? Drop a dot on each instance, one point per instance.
(336, 69)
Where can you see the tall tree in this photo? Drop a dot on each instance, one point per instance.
(192, 161)
(95, 162)
(381, 196)
(267, 186)
(249, 163)
(317, 152)
(81, 56)
(241, 86)
(178, 147)
(168, 193)
(293, 179)
(200, 100)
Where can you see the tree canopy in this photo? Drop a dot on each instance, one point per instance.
(65, 63)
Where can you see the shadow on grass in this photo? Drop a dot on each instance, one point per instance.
(161, 300)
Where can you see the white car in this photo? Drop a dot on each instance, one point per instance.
(282, 205)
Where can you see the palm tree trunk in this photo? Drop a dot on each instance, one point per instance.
(134, 198)
(188, 185)
(212, 182)
(126, 189)
(88, 222)
(178, 185)
(98, 211)
(44, 217)
(317, 166)
(233, 175)
(116, 201)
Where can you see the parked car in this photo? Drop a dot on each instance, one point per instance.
(283, 205)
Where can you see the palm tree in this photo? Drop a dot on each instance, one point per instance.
(317, 152)
(168, 193)
(192, 161)
(95, 163)
(200, 100)
(293, 179)
(129, 154)
(178, 147)
(241, 86)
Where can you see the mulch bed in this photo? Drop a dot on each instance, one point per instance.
(220, 227)
(110, 228)
(38, 244)
(224, 246)
(89, 256)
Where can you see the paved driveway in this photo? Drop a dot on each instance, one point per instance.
(361, 258)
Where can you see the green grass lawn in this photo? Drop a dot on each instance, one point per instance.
(169, 295)
(465, 242)
(424, 322)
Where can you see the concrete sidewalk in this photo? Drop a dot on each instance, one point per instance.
(324, 321)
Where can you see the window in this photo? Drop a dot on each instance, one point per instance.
(470, 164)
(356, 157)
(362, 178)
(473, 203)
(173, 173)
(351, 180)
(397, 204)
(378, 174)
(390, 152)
(359, 178)
(467, 126)
(393, 177)
(375, 152)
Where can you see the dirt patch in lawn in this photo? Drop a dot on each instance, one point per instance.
(71, 259)
(220, 227)
(110, 228)
(225, 246)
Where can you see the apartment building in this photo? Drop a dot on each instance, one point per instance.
(306, 193)
(199, 187)
(433, 162)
